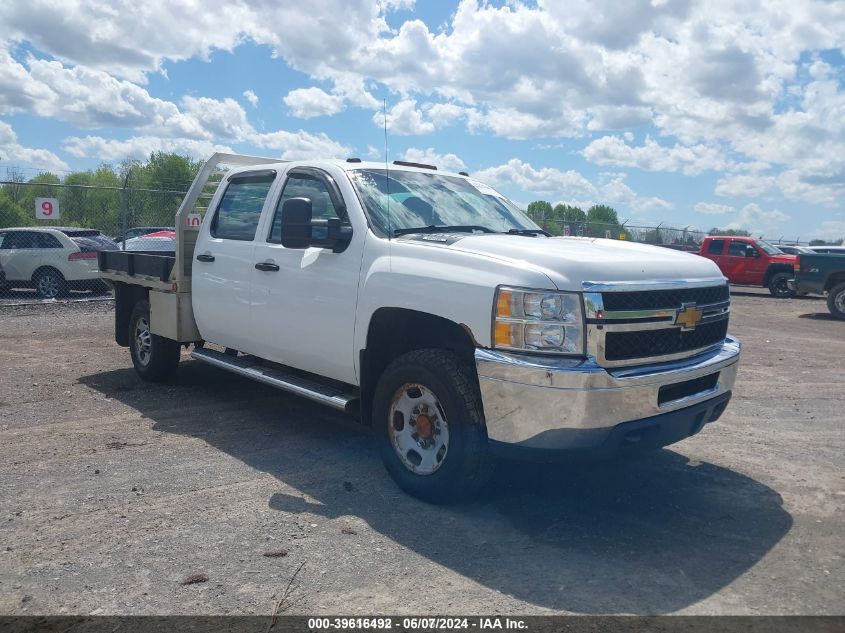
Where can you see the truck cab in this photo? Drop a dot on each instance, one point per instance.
(747, 261)
(430, 307)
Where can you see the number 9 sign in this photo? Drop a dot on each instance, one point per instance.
(46, 209)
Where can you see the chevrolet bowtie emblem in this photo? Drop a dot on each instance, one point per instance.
(688, 317)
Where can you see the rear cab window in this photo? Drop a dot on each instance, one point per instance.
(239, 211)
(716, 247)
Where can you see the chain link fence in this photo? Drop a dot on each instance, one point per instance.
(50, 232)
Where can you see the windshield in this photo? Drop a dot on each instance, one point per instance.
(768, 248)
(417, 199)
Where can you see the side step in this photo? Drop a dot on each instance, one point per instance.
(243, 366)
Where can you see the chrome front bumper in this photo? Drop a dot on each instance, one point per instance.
(556, 403)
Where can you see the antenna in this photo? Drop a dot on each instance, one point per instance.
(386, 170)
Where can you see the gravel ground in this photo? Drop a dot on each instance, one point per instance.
(115, 494)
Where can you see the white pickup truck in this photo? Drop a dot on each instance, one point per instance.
(431, 307)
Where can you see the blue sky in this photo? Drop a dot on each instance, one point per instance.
(687, 113)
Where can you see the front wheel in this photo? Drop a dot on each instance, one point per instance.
(778, 286)
(836, 301)
(155, 358)
(430, 427)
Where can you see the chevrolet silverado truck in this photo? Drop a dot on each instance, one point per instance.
(747, 261)
(825, 275)
(433, 309)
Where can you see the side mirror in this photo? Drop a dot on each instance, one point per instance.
(750, 251)
(296, 223)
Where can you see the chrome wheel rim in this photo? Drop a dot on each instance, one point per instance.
(419, 432)
(143, 341)
(48, 286)
(839, 301)
(781, 287)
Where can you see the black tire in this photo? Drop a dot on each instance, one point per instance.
(156, 358)
(778, 287)
(466, 464)
(49, 283)
(836, 301)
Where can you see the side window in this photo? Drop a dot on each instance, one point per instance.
(3, 240)
(716, 247)
(302, 186)
(238, 213)
(737, 248)
(19, 239)
(45, 240)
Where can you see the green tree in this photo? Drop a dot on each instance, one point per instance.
(541, 212)
(736, 232)
(39, 187)
(654, 236)
(11, 214)
(602, 213)
(602, 218)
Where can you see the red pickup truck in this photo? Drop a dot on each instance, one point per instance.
(747, 261)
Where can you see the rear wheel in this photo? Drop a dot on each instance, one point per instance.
(49, 283)
(778, 286)
(430, 426)
(155, 358)
(836, 301)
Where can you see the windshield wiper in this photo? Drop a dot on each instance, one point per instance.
(441, 228)
(532, 232)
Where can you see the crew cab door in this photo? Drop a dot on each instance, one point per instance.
(715, 251)
(223, 261)
(304, 300)
(740, 263)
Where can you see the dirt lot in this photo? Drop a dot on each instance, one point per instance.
(114, 491)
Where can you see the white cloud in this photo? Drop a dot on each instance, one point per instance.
(569, 186)
(690, 160)
(13, 153)
(300, 145)
(306, 103)
(711, 208)
(404, 118)
(448, 162)
(138, 147)
(546, 181)
(250, 96)
(726, 85)
(753, 218)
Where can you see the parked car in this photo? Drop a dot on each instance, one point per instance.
(157, 241)
(747, 261)
(52, 260)
(435, 310)
(792, 249)
(835, 250)
(822, 273)
(140, 231)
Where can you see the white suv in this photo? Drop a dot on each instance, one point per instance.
(52, 260)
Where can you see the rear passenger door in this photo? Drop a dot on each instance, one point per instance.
(715, 251)
(223, 261)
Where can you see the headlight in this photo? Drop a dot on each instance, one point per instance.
(538, 321)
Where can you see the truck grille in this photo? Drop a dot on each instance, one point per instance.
(647, 343)
(664, 299)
